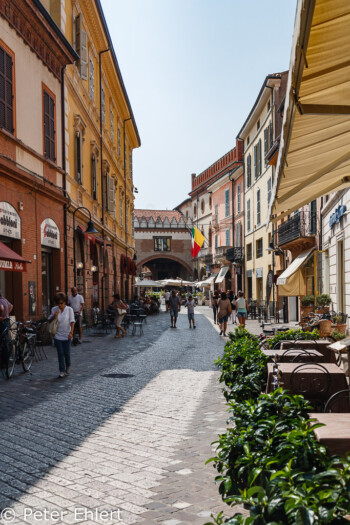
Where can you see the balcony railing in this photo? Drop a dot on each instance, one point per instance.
(220, 251)
(235, 254)
(208, 259)
(303, 224)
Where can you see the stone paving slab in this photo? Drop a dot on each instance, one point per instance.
(135, 445)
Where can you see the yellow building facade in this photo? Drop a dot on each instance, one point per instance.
(259, 136)
(100, 136)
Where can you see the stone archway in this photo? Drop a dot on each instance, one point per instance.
(166, 267)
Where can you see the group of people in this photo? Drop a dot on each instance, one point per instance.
(228, 305)
(173, 303)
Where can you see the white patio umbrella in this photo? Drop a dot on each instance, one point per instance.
(147, 283)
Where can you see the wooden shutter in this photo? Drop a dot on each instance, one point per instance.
(260, 157)
(103, 105)
(6, 91)
(249, 171)
(266, 145)
(111, 194)
(78, 159)
(49, 127)
(256, 161)
(91, 80)
(93, 177)
(271, 134)
(81, 47)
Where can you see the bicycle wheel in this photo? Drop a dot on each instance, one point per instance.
(26, 357)
(11, 359)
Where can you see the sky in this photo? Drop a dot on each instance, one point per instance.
(193, 70)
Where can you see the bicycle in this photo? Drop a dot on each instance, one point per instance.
(22, 348)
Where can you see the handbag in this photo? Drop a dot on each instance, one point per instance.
(53, 326)
(121, 311)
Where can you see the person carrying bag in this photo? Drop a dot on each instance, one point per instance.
(120, 311)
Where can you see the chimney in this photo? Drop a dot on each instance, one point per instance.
(193, 180)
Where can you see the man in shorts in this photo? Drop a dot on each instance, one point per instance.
(175, 307)
(167, 297)
(76, 301)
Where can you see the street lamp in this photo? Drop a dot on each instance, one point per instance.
(90, 229)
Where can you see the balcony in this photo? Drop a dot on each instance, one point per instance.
(235, 255)
(220, 252)
(298, 232)
(208, 259)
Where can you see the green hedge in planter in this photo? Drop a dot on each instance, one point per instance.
(243, 368)
(294, 335)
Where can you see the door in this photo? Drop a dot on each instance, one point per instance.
(293, 309)
(46, 282)
(250, 287)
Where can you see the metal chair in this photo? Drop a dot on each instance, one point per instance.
(315, 389)
(138, 323)
(340, 401)
(303, 356)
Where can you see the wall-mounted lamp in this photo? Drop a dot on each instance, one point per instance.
(80, 265)
(94, 268)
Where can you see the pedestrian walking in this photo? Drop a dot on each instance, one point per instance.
(242, 309)
(214, 305)
(190, 305)
(167, 297)
(76, 301)
(120, 310)
(175, 307)
(234, 311)
(63, 336)
(5, 309)
(224, 311)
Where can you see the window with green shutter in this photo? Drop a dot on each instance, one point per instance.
(256, 161)
(227, 237)
(271, 134)
(6, 91)
(266, 141)
(227, 203)
(248, 216)
(249, 171)
(260, 158)
(49, 127)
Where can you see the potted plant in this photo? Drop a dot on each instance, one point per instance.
(201, 298)
(338, 324)
(307, 305)
(323, 301)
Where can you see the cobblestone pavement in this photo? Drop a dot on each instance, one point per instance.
(124, 439)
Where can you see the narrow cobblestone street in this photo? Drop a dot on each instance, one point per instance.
(127, 433)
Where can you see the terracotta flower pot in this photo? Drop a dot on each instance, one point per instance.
(325, 327)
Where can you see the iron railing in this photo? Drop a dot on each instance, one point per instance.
(302, 224)
(235, 254)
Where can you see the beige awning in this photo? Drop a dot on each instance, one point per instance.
(314, 156)
(222, 274)
(292, 282)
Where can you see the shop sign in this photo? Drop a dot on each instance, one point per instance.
(12, 266)
(259, 273)
(50, 234)
(10, 221)
(337, 215)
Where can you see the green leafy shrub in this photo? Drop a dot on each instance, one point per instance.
(338, 335)
(308, 300)
(323, 299)
(294, 335)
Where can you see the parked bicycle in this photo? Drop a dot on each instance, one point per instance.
(21, 347)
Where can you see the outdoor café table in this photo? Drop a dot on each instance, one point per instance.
(321, 345)
(311, 356)
(337, 376)
(336, 434)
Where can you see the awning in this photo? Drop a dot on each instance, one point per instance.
(207, 282)
(314, 156)
(10, 260)
(291, 282)
(222, 274)
(147, 284)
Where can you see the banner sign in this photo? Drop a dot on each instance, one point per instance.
(12, 266)
(10, 221)
(50, 234)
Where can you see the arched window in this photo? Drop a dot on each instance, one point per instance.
(202, 206)
(195, 210)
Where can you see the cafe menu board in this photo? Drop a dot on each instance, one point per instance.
(341, 345)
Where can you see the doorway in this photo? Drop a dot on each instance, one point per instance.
(341, 284)
(293, 309)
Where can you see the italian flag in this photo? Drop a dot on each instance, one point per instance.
(197, 241)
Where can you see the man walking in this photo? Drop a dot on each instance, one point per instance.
(175, 307)
(76, 301)
(167, 297)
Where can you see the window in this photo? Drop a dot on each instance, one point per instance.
(210, 234)
(6, 91)
(110, 195)
(248, 215)
(313, 217)
(258, 125)
(249, 252)
(202, 205)
(268, 106)
(49, 126)
(93, 177)
(112, 125)
(270, 134)
(227, 203)
(162, 244)
(269, 182)
(81, 47)
(210, 201)
(195, 210)
(78, 150)
(266, 141)
(227, 237)
(103, 105)
(216, 241)
(239, 198)
(258, 208)
(118, 141)
(248, 140)
(256, 161)
(91, 80)
(249, 171)
(259, 248)
(216, 213)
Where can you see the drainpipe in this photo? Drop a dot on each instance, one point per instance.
(101, 171)
(65, 221)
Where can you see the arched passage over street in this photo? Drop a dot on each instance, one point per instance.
(166, 267)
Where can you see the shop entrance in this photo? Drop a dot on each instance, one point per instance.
(46, 282)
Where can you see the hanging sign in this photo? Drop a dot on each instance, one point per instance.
(337, 215)
(50, 234)
(10, 221)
